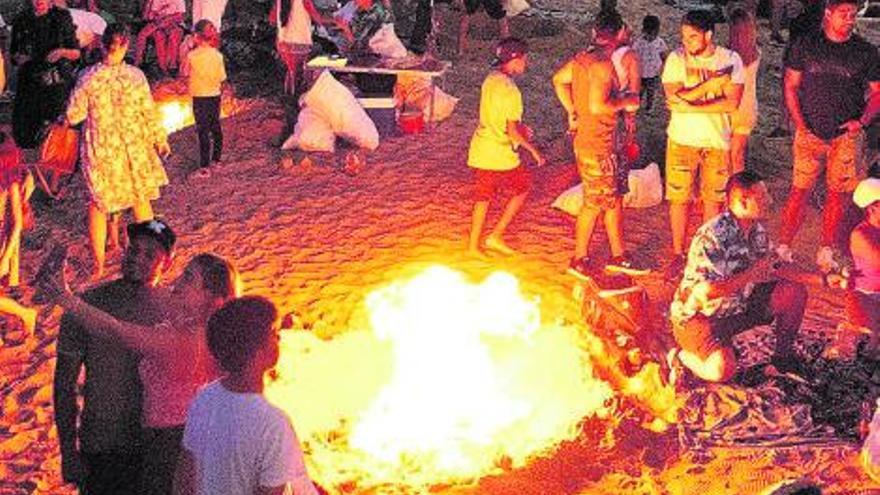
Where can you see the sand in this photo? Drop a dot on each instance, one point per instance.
(317, 240)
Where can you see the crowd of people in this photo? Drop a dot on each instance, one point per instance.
(172, 398)
(731, 277)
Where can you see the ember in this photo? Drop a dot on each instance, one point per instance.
(176, 115)
(452, 381)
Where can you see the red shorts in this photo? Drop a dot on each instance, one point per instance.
(486, 182)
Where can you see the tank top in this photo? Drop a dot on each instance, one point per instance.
(595, 132)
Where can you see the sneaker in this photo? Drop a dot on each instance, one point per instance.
(827, 260)
(779, 132)
(784, 253)
(626, 264)
(675, 268)
(582, 268)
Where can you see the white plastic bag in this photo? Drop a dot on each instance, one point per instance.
(311, 133)
(645, 187)
(645, 191)
(385, 43)
(339, 108)
(514, 8)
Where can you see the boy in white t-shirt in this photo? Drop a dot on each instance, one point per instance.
(704, 85)
(236, 442)
(652, 51)
(493, 151)
(206, 71)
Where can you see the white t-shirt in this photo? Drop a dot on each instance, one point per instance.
(701, 130)
(650, 55)
(500, 102)
(89, 26)
(211, 10)
(746, 116)
(240, 442)
(298, 28)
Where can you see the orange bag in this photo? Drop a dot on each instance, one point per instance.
(60, 149)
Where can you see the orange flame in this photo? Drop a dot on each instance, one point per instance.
(451, 381)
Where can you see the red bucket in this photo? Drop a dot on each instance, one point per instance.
(411, 122)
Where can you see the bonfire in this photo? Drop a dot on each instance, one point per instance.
(450, 382)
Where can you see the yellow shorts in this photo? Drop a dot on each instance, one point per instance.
(842, 158)
(684, 163)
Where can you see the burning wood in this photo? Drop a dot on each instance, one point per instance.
(175, 105)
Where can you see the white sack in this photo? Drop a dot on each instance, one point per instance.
(338, 107)
(414, 91)
(311, 133)
(385, 43)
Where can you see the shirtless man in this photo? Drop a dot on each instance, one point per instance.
(589, 90)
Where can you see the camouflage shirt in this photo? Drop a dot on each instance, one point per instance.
(719, 250)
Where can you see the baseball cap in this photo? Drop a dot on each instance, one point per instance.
(157, 229)
(867, 192)
(509, 49)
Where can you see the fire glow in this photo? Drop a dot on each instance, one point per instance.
(450, 381)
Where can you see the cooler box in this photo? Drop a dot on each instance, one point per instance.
(383, 113)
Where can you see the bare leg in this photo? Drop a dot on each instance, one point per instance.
(463, 28)
(28, 316)
(832, 217)
(711, 209)
(98, 237)
(113, 229)
(583, 230)
(510, 211)
(678, 217)
(161, 49)
(172, 47)
(504, 28)
(614, 229)
(739, 147)
(478, 219)
(140, 46)
(792, 215)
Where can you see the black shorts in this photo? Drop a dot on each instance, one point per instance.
(492, 7)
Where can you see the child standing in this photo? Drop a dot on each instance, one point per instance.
(652, 51)
(234, 440)
(206, 70)
(493, 150)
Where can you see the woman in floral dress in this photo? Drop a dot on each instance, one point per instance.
(123, 140)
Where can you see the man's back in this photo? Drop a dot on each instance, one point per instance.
(239, 442)
(110, 419)
(592, 71)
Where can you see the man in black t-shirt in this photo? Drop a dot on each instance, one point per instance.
(827, 78)
(101, 443)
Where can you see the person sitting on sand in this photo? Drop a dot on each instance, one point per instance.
(235, 441)
(493, 150)
(732, 284)
(863, 297)
(163, 25)
(101, 445)
(175, 361)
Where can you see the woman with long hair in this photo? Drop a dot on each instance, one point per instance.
(743, 39)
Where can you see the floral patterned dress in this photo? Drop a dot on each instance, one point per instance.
(121, 131)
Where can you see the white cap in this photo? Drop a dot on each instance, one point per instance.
(867, 192)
